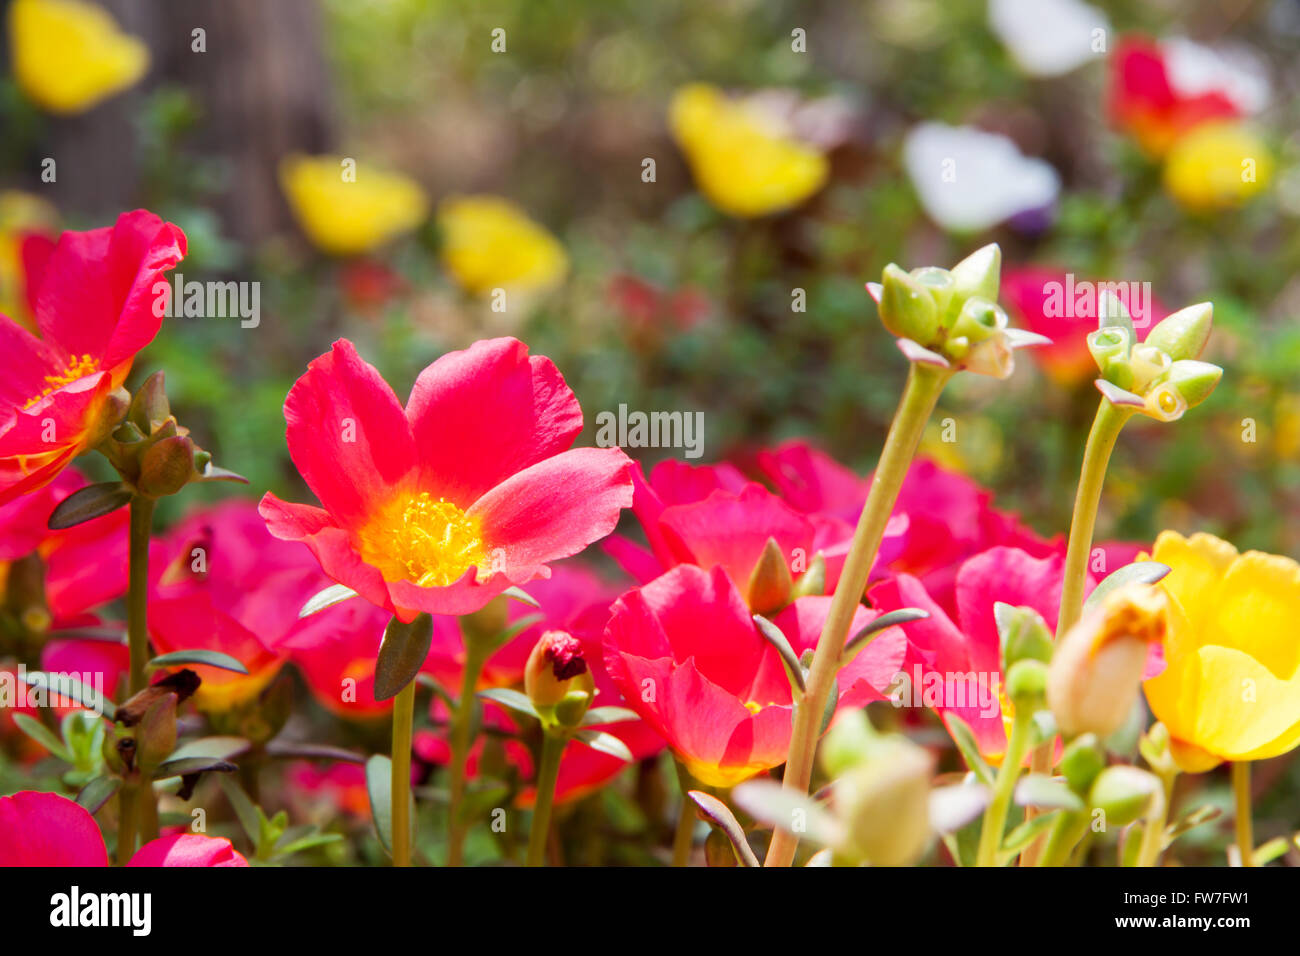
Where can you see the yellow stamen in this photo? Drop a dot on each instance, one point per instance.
(77, 368)
(426, 541)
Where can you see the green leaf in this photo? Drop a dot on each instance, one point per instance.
(608, 715)
(1193, 818)
(964, 738)
(98, 792)
(1046, 793)
(111, 634)
(401, 654)
(512, 699)
(604, 742)
(1027, 832)
(220, 748)
(720, 815)
(522, 596)
(212, 473)
(773, 635)
(334, 594)
(379, 786)
(283, 849)
(1143, 572)
(308, 751)
(188, 765)
(89, 503)
(1270, 851)
(863, 637)
(832, 704)
(250, 818)
(42, 735)
(199, 656)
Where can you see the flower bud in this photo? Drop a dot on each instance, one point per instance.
(884, 803)
(813, 581)
(770, 585)
(941, 286)
(1148, 364)
(149, 407)
(1194, 380)
(1123, 793)
(1023, 634)
(558, 681)
(1183, 335)
(166, 467)
(1082, 760)
(1027, 683)
(979, 274)
(978, 320)
(907, 308)
(1110, 348)
(1097, 668)
(488, 622)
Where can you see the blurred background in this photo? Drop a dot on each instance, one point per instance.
(655, 294)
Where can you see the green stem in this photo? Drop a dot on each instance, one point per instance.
(403, 721)
(683, 838)
(137, 595)
(924, 383)
(1064, 836)
(995, 817)
(1106, 427)
(1153, 834)
(128, 809)
(1241, 797)
(461, 727)
(552, 750)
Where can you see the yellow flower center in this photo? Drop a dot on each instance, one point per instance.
(77, 368)
(430, 542)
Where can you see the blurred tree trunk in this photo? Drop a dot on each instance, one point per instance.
(262, 89)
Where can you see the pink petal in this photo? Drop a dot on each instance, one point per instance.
(187, 849)
(45, 829)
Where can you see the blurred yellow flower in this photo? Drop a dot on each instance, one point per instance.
(347, 209)
(1231, 689)
(69, 55)
(743, 159)
(1217, 166)
(21, 214)
(490, 243)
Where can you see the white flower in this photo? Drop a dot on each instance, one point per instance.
(1236, 73)
(1048, 37)
(969, 179)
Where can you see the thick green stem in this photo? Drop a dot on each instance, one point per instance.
(552, 750)
(924, 383)
(137, 595)
(1092, 475)
(683, 838)
(1241, 798)
(1153, 834)
(995, 817)
(461, 727)
(128, 811)
(403, 721)
(1064, 836)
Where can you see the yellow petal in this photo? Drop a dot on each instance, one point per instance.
(69, 55)
(1256, 609)
(346, 208)
(490, 243)
(1243, 711)
(1196, 566)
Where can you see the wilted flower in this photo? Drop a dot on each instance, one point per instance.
(347, 209)
(97, 306)
(45, 829)
(743, 155)
(490, 243)
(69, 55)
(1231, 690)
(1099, 663)
(968, 179)
(440, 506)
(685, 653)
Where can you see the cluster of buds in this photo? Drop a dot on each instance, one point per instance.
(154, 455)
(1098, 665)
(950, 318)
(558, 682)
(1160, 377)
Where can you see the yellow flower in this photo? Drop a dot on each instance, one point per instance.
(69, 55)
(20, 214)
(347, 209)
(490, 243)
(743, 160)
(1217, 166)
(1231, 690)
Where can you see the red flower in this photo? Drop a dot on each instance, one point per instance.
(1145, 102)
(442, 505)
(1029, 294)
(99, 302)
(221, 582)
(686, 655)
(45, 829)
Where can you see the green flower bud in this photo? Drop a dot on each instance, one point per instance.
(812, 581)
(166, 467)
(1149, 364)
(941, 285)
(1165, 403)
(907, 308)
(979, 274)
(850, 742)
(149, 407)
(1023, 633)
(1183, 335)
(1194, 380)
(770, 585)
(979, 319)
(1027, 683)
(1123, 793)
(155, 735)
(885, 804)
(1082, 760)
(1110, 348)
(487, 623)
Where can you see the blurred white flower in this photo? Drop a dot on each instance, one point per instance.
(969, 179)
(1047, 37)
(1235, 72)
